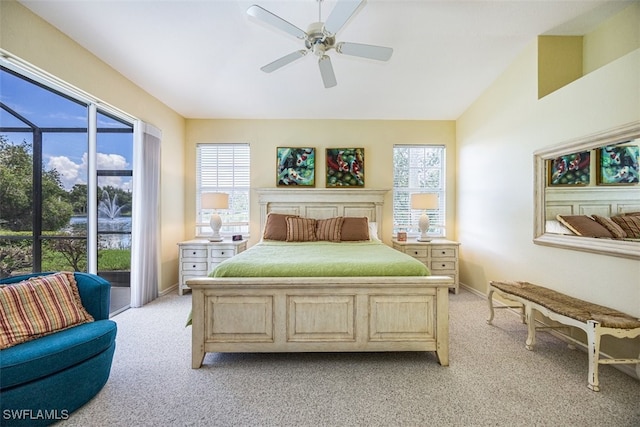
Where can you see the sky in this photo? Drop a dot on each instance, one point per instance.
(66, 152)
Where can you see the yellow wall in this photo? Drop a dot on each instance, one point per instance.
(559, 62)
(377, 137)
(28, 37)
(495, 214)
(612, 39)
(489, 154)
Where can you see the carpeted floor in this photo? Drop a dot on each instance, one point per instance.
(492, 380)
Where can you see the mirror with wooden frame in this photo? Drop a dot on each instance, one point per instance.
(594, 176)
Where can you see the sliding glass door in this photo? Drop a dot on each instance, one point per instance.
(66, 172)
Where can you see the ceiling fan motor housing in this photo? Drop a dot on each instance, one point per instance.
(317, 40)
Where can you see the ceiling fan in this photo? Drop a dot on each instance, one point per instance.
(320, 37)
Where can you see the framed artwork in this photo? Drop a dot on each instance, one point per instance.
(618, 165)
(295, 167)
(570, 169)
(345, 167)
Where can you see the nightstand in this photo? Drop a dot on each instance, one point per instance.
(439, 255)
(198, 258)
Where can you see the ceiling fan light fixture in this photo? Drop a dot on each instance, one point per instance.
(318, 49)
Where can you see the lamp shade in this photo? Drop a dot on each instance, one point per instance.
(215, 201)
(424, 201)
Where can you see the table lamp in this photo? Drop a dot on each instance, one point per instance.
(424, 201)
(215, 201)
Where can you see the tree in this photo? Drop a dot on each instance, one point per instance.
(15, 185)
(13, 257)
(73, 250)
(16, 190)
(78, 199)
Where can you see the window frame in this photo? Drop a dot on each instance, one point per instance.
(236, 184)
(408, 221)
(94, 109)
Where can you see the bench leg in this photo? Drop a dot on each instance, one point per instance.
(593, 342)
(490, 301)
(531, 327)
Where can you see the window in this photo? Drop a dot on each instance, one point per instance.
(418, 169)
(48, 131)
(223, 168)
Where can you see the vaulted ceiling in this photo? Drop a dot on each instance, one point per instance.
(203, 58)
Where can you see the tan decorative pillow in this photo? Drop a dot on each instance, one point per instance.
(39, 306)
(615, 230)
(629, 223)
(584, 225)
(276, 227)
(329, 229)
(301, 229)
(355, 229)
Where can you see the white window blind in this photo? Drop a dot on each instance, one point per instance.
(418, 169)
(223, 168)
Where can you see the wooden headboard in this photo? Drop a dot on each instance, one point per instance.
(604, 201)
(321, 203)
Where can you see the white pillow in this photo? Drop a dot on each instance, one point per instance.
(373, 232)
(556, 227)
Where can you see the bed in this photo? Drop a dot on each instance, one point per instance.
(601, 212)
(353, 307)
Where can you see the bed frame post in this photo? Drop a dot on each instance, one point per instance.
(197, 328)
(442, 333)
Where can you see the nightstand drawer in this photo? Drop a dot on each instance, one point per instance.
(222, 254)
(194, 253)
(194, 266)
(443, 265)
(443, 253)
(416, 252)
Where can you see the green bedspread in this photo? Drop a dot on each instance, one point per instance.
(320, 259)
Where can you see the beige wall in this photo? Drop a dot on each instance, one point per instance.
(612, 39)
(496, 140)
(495, 214)
(559, 62)
(506, 125)
(377, 138)
(28, 37)
(489, 169)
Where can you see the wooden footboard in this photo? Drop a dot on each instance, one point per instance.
(320, 314)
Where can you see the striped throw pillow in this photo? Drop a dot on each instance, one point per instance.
(629, 223)
(39, 306)
(301, 229)
(615, 230)
(329, 229)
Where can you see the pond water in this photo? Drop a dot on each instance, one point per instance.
(112, 233)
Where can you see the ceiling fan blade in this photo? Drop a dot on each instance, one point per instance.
(274, 20)
(287, 59)
(379, 53)
(342, 11)
(326, 71)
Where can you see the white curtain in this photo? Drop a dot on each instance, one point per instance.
(145, 226)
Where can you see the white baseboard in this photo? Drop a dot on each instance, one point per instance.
(627, 369)
(169, 290)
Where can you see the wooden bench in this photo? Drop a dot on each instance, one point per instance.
(594, 319)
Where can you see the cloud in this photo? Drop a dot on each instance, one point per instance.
(72, 173)
(109, 161)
